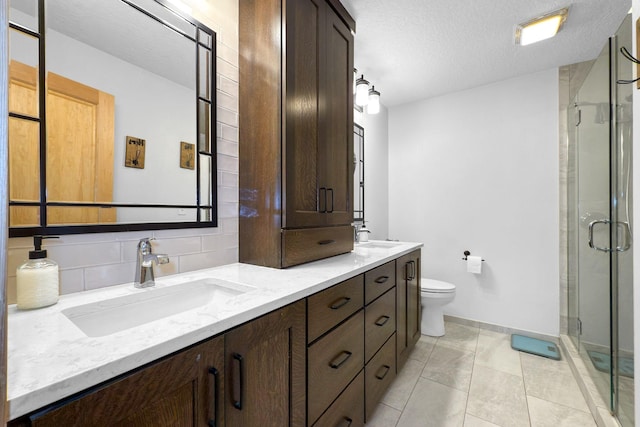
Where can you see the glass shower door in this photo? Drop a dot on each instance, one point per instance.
(600, 234)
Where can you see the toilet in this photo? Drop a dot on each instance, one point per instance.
(434, 295)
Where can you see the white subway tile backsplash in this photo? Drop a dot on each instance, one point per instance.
(228, 147)
(109, 275)
(228, 194)
(230, 225)
(227, 163)
(229, 86)
(207, 260)
(229, 133)
(227, 53)
(71, 281)
(228, 210)
(84, 255)
(227, 101)
(226, 179)
(227, 116)
(177, 246)
(219, 243)
(228, 70)
(185, 232)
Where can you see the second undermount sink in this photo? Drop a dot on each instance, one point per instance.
(376, 244)
(118, 314)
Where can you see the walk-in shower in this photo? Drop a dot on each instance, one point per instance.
(599, 222)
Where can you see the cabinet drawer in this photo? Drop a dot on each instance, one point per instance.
(310, 244)
(379, 322)
(379, 373)
(328, 308)
(348, 409)
(333, 361)
(379, 280)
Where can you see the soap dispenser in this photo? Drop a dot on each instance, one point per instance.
(37, 279)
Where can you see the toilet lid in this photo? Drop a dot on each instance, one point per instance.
(431, 285)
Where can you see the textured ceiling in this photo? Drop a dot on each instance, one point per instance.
(417, 49)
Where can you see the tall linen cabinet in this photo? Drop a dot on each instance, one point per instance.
(296, 131)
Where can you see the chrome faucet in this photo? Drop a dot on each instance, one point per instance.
(144, 264)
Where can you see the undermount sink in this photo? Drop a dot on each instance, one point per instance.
(118, 314)
(379, 245)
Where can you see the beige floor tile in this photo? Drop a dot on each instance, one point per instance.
(497, 397)
(434, 405)
(494, 351)
(384, 416)
(471, 421)
(423, 348)
(548, 414)
(459, 336)
(552, 381)
(450, 366)
(401, 388)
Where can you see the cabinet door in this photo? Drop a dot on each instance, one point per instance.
(305, 23)
(408, 304)
(265, 370)
(336, 134)
(177, 391)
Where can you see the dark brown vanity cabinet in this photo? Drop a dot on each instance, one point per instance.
(265, 371)
(180, 390)
(296, 136)
(408, 304)
(254, 375)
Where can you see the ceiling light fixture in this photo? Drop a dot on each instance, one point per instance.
(541, 28)
(362, 91)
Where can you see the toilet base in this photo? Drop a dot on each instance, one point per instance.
(432, 323)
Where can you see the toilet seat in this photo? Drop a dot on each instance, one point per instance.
(436, 286)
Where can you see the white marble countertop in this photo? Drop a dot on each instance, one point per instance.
(50, 358)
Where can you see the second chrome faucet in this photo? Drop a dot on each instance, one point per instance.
(144, 264)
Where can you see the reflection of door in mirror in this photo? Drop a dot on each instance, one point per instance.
(80, 140)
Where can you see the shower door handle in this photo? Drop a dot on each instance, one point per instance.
(591, 226)
(627, 236)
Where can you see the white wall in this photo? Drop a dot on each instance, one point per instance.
(478, 170)
(376, 173)
(90, 261)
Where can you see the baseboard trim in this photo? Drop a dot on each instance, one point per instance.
(499, 328)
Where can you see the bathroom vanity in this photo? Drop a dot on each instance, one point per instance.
(314, 344)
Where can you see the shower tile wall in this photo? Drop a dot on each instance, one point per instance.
(89, 261)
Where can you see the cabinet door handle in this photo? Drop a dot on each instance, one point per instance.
(382, 320)
(213, 422)
(238, 381)
(326, 242)
(322, 198)
(330, 210)
(346, 422)
(340, 302)
(340, 359)
(381, 279)
(380, 375)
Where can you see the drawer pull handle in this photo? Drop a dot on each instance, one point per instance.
(213, 422)
(346, 422)
(238, 381)
(381, 279)
(340, 302)
(326, 242)
(340, 359)
(382, 320)
(386, 369)
(322, 197)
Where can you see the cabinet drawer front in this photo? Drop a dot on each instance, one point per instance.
(379, 373)
(379, 280)
(333, 361)
(380, 322)
(348, 409)
(310, 244)
(328, 308)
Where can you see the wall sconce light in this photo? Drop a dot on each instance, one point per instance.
(362, 91)
(374, 101)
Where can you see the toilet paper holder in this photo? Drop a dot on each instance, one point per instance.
(466, 254)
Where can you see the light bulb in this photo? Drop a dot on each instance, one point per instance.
(362, 91)
(374, 101)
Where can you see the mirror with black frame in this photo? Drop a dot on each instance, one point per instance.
(111, 117)
(358, 178)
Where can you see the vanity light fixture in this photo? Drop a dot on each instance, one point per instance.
(541, 28)
(362, 91)
(373, 107)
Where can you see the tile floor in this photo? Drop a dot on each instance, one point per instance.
(472, 378)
